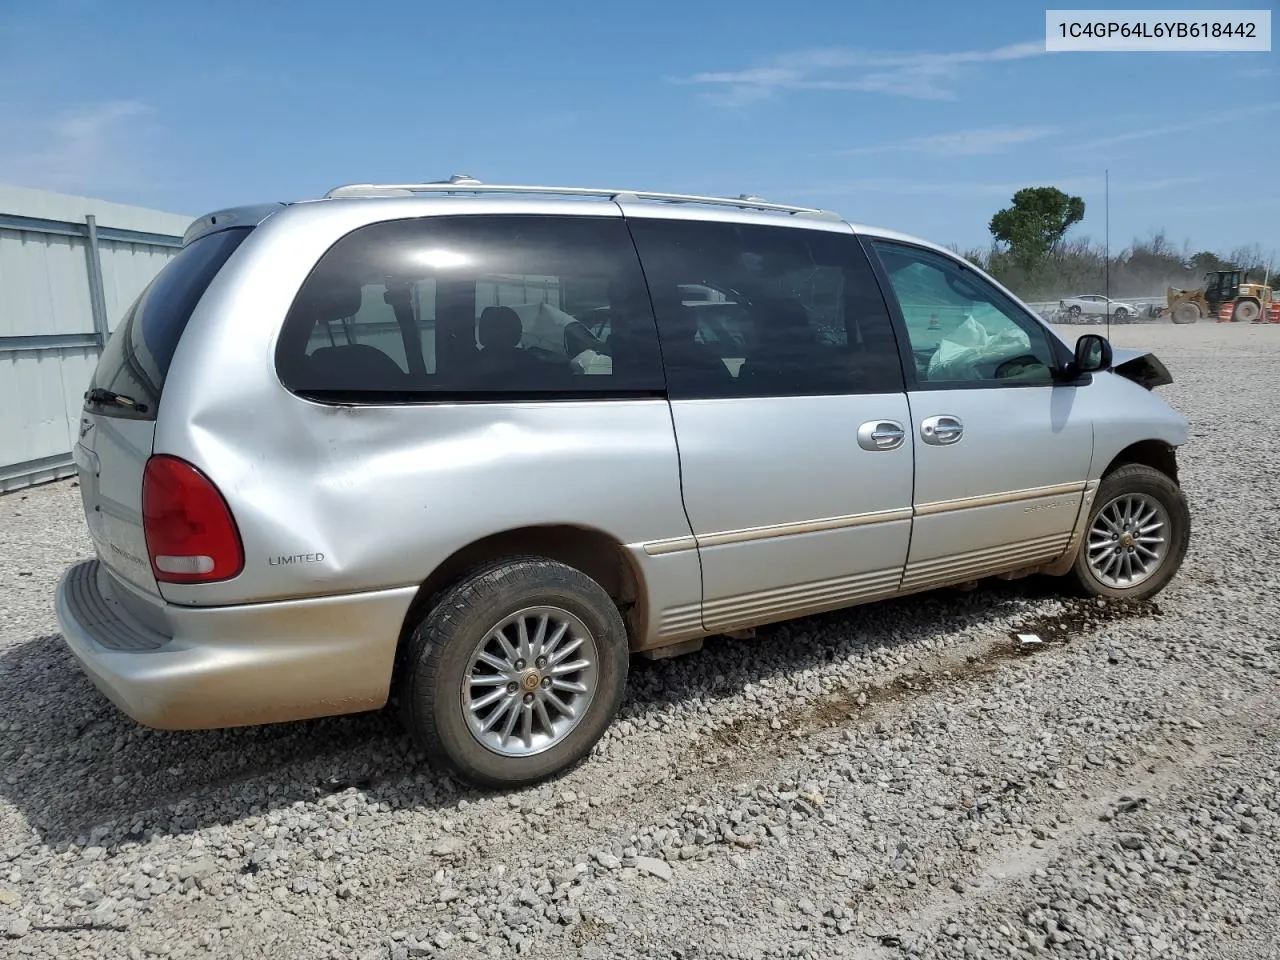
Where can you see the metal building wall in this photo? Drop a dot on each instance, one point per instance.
(69, 269)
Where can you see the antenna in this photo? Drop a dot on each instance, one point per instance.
(1106, 232)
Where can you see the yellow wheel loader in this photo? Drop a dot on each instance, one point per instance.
(1250, 300)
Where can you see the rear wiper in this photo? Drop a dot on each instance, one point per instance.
(99, 395)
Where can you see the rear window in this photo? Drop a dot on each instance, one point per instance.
(136, 359)
(474, 308)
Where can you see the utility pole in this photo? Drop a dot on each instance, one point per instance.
(1106, 243)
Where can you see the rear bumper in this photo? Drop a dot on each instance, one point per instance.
(231, 666)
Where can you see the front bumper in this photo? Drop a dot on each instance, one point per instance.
(231, 666)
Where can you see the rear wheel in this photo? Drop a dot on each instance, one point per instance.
(1246, 311)
(1186, 313)
(1073, 313)
(1137, 535)
(515, 673)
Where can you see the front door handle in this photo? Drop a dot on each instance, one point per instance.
(942, 430)
(881, 435)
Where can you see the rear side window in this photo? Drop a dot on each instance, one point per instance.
(474, 308)
(758, 311)
(136, 358)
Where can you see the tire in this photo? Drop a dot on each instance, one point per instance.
(1246, 311)
(1186, 313)
(1121, 315)
(439, 655)
(1073, 313)
(1136, 484)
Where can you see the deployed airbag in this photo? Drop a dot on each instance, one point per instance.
(970, 350)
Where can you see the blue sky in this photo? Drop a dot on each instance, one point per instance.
(923, 116)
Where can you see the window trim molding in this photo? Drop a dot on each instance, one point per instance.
(903, 334)
(454, 398)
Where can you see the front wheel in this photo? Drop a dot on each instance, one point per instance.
(1246, 311)
(515, 673)
(1137, 535)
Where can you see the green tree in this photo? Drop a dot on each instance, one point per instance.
(1032, 226)
(1206, 261)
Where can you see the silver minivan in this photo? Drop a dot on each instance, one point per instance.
(469, 447)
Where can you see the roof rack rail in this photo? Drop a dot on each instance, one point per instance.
(464, 184)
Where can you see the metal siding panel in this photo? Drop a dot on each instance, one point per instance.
(24, 202)
(15, 286)
(44, 291)
(21, 426)
(48, 341)
(12, 424)
(46, 288)
(42, 392)
(47, 418)
(67, 269)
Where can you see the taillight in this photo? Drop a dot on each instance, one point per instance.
(191, 535)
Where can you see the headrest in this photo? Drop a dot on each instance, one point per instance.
(353, 366)
(500, 328)
(326, 300)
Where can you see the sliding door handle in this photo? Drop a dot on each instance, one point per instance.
(881, 435)
(941, 431)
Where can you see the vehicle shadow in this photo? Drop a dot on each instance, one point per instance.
(82, 772)
(725, 666)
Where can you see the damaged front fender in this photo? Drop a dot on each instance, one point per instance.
(1140, 366)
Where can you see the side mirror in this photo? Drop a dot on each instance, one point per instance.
(1093, 353)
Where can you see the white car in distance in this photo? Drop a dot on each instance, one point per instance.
(1092, 306)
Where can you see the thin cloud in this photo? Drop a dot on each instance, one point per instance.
(936, 188)
(1154, 186)
(1226, 116)
(979, 141)
(922, 76)
(958, 189)
(90, 147)
(1244, 203)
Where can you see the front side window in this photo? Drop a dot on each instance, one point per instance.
(474, 307)
(755, 311)
(961, 328)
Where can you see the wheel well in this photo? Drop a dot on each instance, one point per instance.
(596, 554)
(1151, 453)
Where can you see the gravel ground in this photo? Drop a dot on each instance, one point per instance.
(897, 780)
